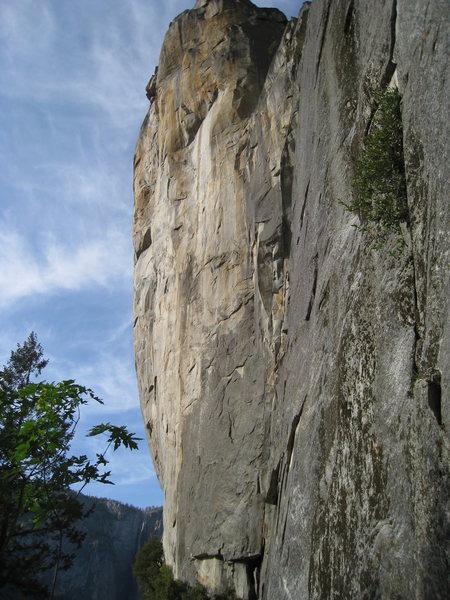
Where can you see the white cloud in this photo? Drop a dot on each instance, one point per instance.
(91, 262)
(113, 379)
(55, 55)
(18, 273)
(104, 363)
(66, 167)
(34, 29)
(131, 469)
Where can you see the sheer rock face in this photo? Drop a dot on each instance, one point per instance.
(201, 372)
(294, 379)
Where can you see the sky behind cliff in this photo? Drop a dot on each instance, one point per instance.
(72, 99)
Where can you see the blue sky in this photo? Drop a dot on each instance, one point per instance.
(72, 99)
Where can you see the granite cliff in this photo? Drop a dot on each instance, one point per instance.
(293, 373)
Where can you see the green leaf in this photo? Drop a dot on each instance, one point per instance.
(98, 429)
(21, 451)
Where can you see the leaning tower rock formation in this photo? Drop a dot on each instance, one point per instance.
(293, 373)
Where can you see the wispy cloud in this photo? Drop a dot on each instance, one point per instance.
(93, 262)
(109, 64)
(113, 379)
(73, 79)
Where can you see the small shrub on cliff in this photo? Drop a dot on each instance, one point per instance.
(148, 564)
(379, 183)
(195, 593)
(156, 582)
(154, 578)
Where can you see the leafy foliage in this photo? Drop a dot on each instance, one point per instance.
(380, 185)
(37, 470)
(149, 561)
(153, 577)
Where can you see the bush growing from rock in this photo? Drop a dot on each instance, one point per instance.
(379, 183)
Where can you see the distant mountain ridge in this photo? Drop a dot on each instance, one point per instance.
(103, 566)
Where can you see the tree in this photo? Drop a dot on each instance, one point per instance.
(380, 197)
(156, 581)
(24, 362)
(149, 561)
(38, 507)
(154, 578)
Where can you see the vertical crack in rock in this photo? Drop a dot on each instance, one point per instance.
(313, 290)
(391, 66)
(323, 37)
(349, 18)
(302, 214)
(435, 396)
(272, 492)
(291, 440)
